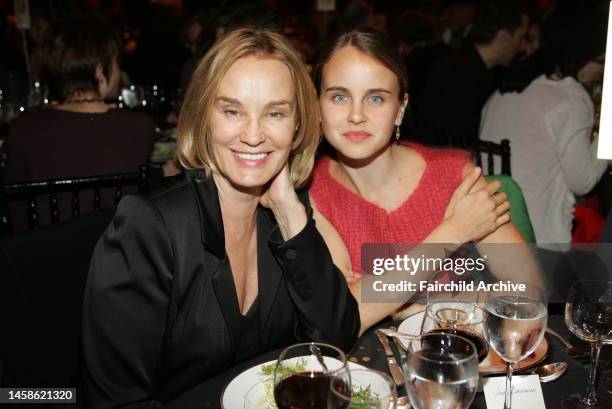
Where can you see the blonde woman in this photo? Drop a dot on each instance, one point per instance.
(225, 262)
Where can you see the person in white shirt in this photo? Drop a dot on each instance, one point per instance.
(547, 114)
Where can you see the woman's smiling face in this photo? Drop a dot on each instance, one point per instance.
(360, 103)
(253, 121)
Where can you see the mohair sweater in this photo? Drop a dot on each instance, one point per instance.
(359, 221)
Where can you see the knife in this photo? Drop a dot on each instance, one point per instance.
(400, 348)
(396, 372)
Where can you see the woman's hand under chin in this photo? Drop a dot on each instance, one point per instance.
(281, 198)
(279, 191)
(475, 209)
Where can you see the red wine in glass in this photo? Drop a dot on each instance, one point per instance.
(307, 390)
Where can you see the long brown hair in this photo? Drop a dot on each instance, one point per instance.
(371, 42)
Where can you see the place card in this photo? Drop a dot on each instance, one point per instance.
(526, 392)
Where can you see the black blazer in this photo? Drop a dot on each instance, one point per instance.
(160, 310)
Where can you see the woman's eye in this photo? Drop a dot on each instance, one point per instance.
(277, 114)
(231, 112)
(376, 99)
(339, 99)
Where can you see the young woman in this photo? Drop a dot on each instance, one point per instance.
(374, 190)
(223, 263)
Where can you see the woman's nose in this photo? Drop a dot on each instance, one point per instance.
(357, 115)
(253, 133)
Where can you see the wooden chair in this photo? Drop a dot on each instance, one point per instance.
(518, 207)
(30, 192)
(490, 150)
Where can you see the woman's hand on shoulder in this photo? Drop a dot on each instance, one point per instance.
(476, 209)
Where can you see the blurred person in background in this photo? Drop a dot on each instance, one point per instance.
(546, 112)
(457, 17)
(448, 113)
(81, 135)
(533, 40)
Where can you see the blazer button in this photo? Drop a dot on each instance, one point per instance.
(290, 254)
(306, 294)
(300, 275)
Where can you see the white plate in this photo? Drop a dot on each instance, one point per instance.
(411, 325)
(233, 395)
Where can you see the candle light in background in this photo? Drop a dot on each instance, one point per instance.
(604, 149)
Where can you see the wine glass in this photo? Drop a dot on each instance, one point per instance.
(461, 318)
(515, 322)
(608, 383)
(588, 315)
(441, 372)
(370, 389)
(303, 375)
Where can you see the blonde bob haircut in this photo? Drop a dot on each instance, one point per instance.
(193, 130)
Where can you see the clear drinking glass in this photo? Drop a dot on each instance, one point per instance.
(441, 372)
(588, 315)
(370, 389)
(515, 322)
(461, 318)
(304, 373)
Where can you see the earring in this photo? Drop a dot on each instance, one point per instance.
(397, 134)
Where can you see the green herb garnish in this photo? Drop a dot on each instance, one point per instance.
(363, 398)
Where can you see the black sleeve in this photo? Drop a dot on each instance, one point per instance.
(125, 306)
(327, 311)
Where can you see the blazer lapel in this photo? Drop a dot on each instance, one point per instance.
(213, 239)
(269, 272)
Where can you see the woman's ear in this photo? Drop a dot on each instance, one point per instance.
(402, 110)
(101, 78)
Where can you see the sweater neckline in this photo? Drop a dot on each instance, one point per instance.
(407, 201)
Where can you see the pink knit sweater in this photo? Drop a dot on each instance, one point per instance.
(359, 221)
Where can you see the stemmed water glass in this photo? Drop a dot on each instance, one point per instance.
(588, 315)
(304, 373)
(515, 323)
(441, 372)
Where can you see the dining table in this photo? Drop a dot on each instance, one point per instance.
(369, 352)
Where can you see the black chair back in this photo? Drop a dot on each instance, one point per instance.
(42, 279)
(30, 192)
(489, 150)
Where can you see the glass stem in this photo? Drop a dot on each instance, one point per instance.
(591, 398)
(508, 401)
